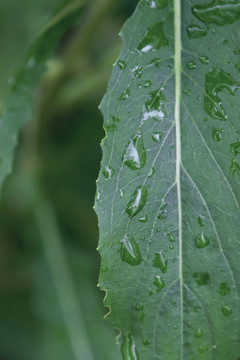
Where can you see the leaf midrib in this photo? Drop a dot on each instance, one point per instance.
(177, 58)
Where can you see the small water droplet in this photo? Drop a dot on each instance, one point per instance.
(110, 127)
(151, 172)
(189, 324)
(226, 310)
(201, 241)
(159, 283)
(128, 348)
(225, 42)
(235, 148)
(158, 230)
(216, 81)
(217, 134)
(130, 252)
(121, 64)
(224, 289)
(202, 278)
(153, 39)
(139, 306)
(121, 193)
(171, 246)
(143, 218)
(145, 341)
(234, 168)
(146, 84)
(191, 65)
(143, 238)
(125, 95)
(157, 136)
(204, 59)
(98, 195)
(137, 72)
(196, 309)
(135, 154)
(138, 200)
(162, 214)
(218, 13)
(160, 261)
(200, 220)
(202, 348)
(237, 51)
(108, 172)
(187, 92)
(104, 269)
(198, 333)
(195, 31)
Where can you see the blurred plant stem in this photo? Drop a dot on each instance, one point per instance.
(61, 275)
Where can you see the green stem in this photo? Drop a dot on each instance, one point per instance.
(62, 278)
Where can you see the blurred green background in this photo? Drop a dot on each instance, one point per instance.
(50, 306)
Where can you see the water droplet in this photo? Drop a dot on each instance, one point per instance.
(155, 106)
(128, 348)
(189, 324)
(125, 95)
(187, 92)
(142, 238)
(160, 261)
(217, 134)
(196, 309)
(121, 64)
(171, 237)
(200, 220)
(158, 230)
(135, 154)
(138, 200)
(195, 31)
(104, 269)
(161, 4)
(202, 278)
(204, 60)
(153, 39)
(137, 72)
(151, 172)
(143, 218)
(226, 310)
(11, 81)
(156, 62)
(198, 333)
(238, 67)
(139, 306)
(237, 51)
(110, 127)
(229, 61)
(98, 195)
(130, 252)
(234, 168)
(218, 13)
(235, 148)
(159, 283)
(162, 214)
(191, 65)
(216, 81)
(146, 84)
(121, 193)
(202, 348)
(145, 342)
(224, 289)
(201, 241)
(31, 62)
(108, 172)
(171, 246)
(157, 136)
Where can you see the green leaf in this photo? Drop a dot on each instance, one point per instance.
(168, 191)
(17, 104)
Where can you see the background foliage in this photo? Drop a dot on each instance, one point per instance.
(60, 146)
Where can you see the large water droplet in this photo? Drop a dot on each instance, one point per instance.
(201, 241)
(234, 168)
(235, 148)
(204, 60)
(135, 154)
(202, 278)
(153, 39)
(155, 106)
(121, 64)
(128, 348)
(195, 31)
(171, 237)
(130, 252)
(138, 200)
(160, 261)
(191, 65)
(156, 136)
(217, 134)
(108, 172)
(151, 172)
(216, 81)
(159, 283)
(217, 12)
(224, 289)
(226, 310)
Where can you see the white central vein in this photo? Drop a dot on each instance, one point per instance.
(178, 57)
